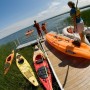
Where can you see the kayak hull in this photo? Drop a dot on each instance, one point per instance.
(40, 67)
(8, 62)
(26, 69)
(65, 45)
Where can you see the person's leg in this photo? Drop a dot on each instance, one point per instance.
(82, 37)
(46, 32)
(40, 34)
(80, 28)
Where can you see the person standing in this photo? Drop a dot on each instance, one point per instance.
(37, 26)
(44, 28)
(76, 19)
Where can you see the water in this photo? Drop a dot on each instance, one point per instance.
(52, 25)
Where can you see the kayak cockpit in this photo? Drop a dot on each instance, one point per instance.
(9, 58)
(39, 59)
(21, 61)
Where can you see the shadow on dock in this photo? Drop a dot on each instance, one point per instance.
(66, 60)
(75, 62)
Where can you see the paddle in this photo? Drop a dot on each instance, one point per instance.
(75, 13)
(76, 3)
(40, 45)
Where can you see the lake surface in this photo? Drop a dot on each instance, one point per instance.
(53, 24)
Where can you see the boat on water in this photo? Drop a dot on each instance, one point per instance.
(29, 32)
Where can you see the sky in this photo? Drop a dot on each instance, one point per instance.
(18, 14)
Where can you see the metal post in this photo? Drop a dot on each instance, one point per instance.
(18, 41)
(57, 30)
(15, 43)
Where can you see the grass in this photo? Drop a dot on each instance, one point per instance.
(14, 80)
(85, 16)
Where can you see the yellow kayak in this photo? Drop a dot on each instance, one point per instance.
(26, 69)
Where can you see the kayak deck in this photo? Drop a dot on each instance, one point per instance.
(72, 72)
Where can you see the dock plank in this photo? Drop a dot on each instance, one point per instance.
(73, 73)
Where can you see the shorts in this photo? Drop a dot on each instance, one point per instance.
(80, 27)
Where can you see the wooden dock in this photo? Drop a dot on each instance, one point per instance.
(73, 73)
(70, 72)
(26, 44)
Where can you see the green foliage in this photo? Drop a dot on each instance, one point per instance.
(86, 17)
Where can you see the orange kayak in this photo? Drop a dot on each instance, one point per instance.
(8, 62)
(66, 46)
(29, 32)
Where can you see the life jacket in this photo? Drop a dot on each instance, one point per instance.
(77, 12)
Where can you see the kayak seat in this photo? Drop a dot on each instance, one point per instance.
(21, 61)
(42, 72)
(39, 61)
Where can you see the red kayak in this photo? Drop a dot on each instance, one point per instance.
(42, 69)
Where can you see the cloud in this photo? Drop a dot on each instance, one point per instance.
(16, 27)
(54, 4)
(83, 2)
(29, 21)
(51, 10)
(54, 8)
